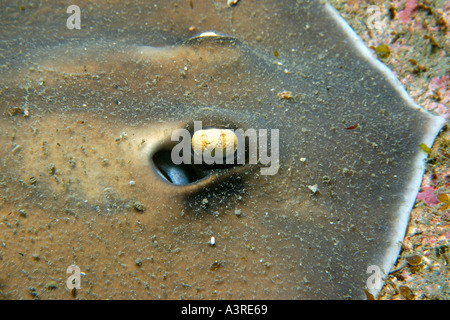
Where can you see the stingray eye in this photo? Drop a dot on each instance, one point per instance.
(180, 174)
(199, 154)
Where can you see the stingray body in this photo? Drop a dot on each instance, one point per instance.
(86, 112)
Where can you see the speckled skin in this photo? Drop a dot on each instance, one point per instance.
(101, 102)
(417, 34)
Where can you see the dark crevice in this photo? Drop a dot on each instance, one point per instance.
(181, 174)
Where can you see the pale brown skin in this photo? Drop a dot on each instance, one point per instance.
(99, 106)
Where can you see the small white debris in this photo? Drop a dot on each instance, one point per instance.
(208, 34)
(313, 188)
(132, 183)
(232, 2)
(303, 159)
(16, 148)
(213, 241)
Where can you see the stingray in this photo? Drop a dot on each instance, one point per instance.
(87, 176)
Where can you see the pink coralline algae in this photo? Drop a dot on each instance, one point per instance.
(428, 196)
(441, 84)
(439, 89)
(406, 14)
